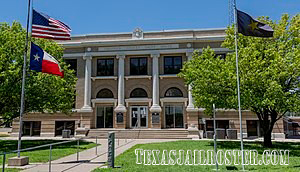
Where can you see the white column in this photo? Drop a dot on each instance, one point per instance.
(190, 106)
(87, 84)
(155, 84)
(121, 107)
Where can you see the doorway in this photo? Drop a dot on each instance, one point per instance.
(139, 116)
(174, 116)
(252, 128)
(104, 117)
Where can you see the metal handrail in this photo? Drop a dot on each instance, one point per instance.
(41, 146)
(50, 148)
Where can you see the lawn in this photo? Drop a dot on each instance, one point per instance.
(127, 160)
(42, 154)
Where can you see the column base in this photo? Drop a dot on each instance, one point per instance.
(120, 108)
(155, 108)
(193, 132)
(86, 109)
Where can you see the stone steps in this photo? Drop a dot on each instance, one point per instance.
(140, 134)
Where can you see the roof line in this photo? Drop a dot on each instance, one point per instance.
(173, 30)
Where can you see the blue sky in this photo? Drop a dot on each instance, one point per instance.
(99, 16)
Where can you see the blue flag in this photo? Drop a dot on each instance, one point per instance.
(251, 27)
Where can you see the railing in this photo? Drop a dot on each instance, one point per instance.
(50, 150)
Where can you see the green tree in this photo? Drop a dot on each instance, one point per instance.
(269, 74)
(43, 92)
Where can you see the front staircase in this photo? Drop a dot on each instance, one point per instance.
(141, 133)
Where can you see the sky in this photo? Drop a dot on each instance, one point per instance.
(110, 16)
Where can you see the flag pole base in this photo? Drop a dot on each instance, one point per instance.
(18, 161)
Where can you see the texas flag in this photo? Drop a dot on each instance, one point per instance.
(41, 61)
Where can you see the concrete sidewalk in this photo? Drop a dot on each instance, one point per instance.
(88, 160)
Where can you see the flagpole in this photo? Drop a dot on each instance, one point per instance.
(23, 77)
(238, 81)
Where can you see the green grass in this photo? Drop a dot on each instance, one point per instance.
(42, 154)
(127, 160)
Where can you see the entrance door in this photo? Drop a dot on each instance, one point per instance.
(104, 117)
(252, 126)
(139, 116)
(174, 116)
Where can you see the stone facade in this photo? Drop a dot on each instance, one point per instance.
(157, 109)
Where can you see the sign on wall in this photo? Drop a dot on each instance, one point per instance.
(155, 118)
(120, 117)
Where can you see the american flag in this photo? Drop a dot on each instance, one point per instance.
(44, 26)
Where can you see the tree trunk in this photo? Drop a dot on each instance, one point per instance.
(267, 139)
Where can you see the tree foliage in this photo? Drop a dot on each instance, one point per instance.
(43, 92)
(269, 71)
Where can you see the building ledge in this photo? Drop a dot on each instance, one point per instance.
(138, 100)
(174, 100)
(168, 76)
(103, 100)
(138, 77)
(104, 77)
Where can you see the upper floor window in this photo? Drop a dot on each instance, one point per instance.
(138, 66)
(105, 93)
(138, 93)
(105, 67)
(221, 55)
(73, 64)
(173, 92)
(172, 64)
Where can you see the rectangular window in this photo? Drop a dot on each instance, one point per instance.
(64, 125)
(105, 67)
(31, 128)
(172, 65)
(73, 64)
(138, 66)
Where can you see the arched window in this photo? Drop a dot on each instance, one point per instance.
(173, 92)
(105, 93)
(138, 93)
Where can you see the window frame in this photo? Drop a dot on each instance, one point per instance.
(71, 67)
(173, 88)
(106, 71)
(138, 96)
(172, 68)
(139, 67)
(105, 89)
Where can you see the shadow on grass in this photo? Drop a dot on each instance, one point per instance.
(10, 145)
(294, 148)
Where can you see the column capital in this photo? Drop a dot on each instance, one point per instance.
(155, 55)
(120, 56)
(87, 57)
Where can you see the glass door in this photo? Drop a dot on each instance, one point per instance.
(104, 118)
(134, 117)
(174, 116)
(139, 116)
(143, 116)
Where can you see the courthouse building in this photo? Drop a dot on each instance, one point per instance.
(128, 83)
